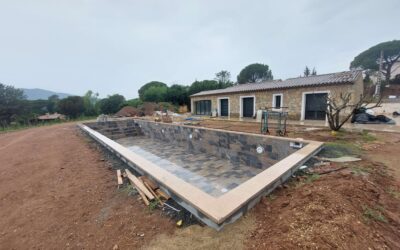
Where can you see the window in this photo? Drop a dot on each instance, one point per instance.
(203, 107)
(277, 101)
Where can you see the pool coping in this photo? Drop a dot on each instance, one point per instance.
(221, 208)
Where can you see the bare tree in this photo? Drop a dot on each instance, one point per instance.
(338, 104)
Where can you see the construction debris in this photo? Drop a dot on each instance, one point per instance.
(340, 159)
(139, 185)
(147, 189)
(119, 177)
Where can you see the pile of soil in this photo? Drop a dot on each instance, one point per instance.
(128, 111)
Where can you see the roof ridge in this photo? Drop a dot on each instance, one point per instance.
(311, 76)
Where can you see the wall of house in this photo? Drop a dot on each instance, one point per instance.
(291, 98)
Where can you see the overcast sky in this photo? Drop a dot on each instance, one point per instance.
(115, 46)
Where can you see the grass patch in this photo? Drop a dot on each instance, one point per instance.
(309, 179)
(357, 170)
(367, 137)
(339, 149)
(312, 178)
(271, 197)
(374, 213)
(129, 190)
(18, 127)
(153, 205)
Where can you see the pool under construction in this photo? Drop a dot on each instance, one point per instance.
(216, 175)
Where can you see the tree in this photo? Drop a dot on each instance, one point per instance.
(199, 86)
(314, 72)
(71, 106)
(369, 59)
(224, 79)
(136, 102)
(306, 71)
(178, 94)
(52, 103)
(338, 104)
(255, 72)
(148, 85)
(90, 100)
(11, 103)
(112, 104)
(155, 94)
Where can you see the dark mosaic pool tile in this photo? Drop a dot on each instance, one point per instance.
(211, 174)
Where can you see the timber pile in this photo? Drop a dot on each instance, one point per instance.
(148, 190)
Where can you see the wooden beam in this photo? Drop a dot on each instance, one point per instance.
(155, 195)
(151, 183)
(119, 177)
(162, 194)
(139, 185)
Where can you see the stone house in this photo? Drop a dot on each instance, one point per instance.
(304, 98)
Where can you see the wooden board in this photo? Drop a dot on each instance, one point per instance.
(152, 191)
(139, 185)
(162, 194)
(119, 177)
(151, 183)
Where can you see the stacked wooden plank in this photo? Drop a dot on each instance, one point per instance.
(148, 190)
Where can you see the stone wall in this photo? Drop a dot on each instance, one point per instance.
(239, 148)
(292, 98)
(116, 129)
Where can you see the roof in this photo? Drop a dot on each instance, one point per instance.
(51, 116)
(326, 79)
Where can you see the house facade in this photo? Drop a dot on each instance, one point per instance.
(304, 98)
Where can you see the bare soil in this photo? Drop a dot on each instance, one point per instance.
(57, 191)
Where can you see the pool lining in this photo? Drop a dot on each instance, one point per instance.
(227, 207)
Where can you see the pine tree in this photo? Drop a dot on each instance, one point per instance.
(306, 71)
(314, 72)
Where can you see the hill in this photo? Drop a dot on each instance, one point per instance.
(36, 94)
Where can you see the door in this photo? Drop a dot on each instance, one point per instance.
(203, 107)
(248, 106)
(316, 105)
(224, 105)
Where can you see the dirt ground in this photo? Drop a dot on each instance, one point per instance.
(57, 193)
(57, 190)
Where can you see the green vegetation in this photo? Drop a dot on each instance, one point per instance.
(148, 85)
(271, 197)
(374, 214)
(153, 205)
(255, 72)
(18, 126)
(312, 178)
(339, 149)
(129, 190)
(358, 170)
(367, 137)
(369, 59)
(112, 104)
(71, 106)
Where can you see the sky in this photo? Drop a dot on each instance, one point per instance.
(116, 46)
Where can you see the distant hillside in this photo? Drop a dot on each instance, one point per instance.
(36, 94)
